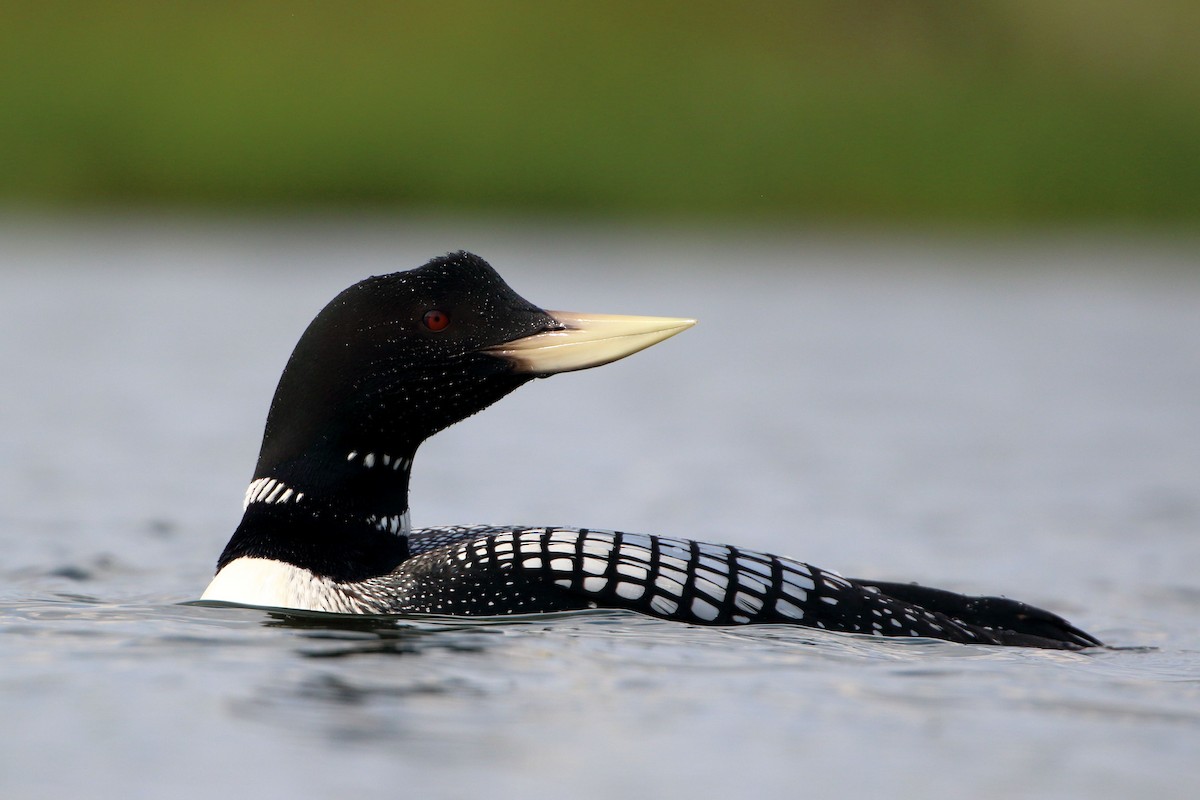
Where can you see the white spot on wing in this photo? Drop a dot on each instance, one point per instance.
(635, 553)
(663, 605)
(710, 588)
(672, 575)
(754, 566)
(703, 609)
(633, 571)
(795, 591)
(791, 576)
(788, 609)
(599, 548)
(748, 602)
(672, 561)
(630, 591)
(668, 585)
(752, 582)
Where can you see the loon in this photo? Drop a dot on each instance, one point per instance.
(396, 358)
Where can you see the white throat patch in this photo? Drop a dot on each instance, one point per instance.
(269, 490)
(399, 524)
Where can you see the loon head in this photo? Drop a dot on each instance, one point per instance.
(388, 363)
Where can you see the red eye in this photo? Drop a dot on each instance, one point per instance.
(436, 320)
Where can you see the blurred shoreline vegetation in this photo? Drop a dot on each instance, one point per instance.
(1010, 112)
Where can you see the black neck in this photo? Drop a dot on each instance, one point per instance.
(313, 537)
(359, 481)
(341, 513)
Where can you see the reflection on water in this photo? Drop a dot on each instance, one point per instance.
(1001, 418)
(347, 635)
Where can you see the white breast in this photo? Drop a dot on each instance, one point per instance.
(265, 582)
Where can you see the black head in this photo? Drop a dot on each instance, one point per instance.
(391, 361)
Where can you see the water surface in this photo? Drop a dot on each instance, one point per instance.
(1005, 417)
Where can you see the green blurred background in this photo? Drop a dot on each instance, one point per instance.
(994, 113)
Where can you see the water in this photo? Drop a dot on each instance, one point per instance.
(1016, 417)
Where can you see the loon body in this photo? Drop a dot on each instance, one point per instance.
(396, 358)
